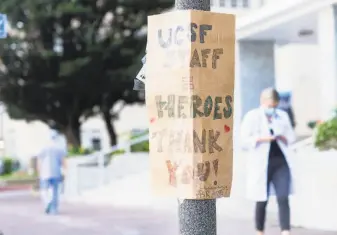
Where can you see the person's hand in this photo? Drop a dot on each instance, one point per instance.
(265, 139)
(282, 138)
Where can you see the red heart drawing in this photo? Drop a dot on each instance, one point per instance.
(227, 128)
(152, 120)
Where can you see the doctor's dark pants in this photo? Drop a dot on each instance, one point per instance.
(278, 175)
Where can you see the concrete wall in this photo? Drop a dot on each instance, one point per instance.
(314, 203)
(297, 70)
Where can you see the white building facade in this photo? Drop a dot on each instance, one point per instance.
(289, 44)
(23, 140)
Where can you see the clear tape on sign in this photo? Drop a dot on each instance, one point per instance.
(141, 74)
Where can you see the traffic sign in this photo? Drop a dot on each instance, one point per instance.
(3, 26)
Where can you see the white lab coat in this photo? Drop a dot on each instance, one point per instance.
(255, 124)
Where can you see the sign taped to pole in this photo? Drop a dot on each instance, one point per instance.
(189, 97)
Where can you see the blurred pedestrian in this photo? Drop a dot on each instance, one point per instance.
(51, 162)
(266, 133)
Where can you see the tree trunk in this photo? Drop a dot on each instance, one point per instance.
(72, 133)
(110, 127)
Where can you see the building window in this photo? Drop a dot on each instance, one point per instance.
(212, 2)
(245, 4)
(96, 144)
(234, 3)
(222, 3)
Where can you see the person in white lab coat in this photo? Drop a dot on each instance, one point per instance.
(266, 133)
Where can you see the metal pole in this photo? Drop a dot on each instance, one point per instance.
(203, 5)
(196, 217)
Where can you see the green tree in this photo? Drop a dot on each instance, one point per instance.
(65, 60)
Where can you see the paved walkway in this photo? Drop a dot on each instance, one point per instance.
(23, 215)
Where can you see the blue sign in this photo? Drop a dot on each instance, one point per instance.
(3, 26)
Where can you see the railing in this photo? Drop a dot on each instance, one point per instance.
(100, 155)
(94, 167)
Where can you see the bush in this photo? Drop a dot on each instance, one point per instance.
(142, 146)
(19, 176)
(7, 164)
(117, 152)
(78, 151)
(326, 135)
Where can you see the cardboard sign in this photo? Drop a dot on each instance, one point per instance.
(189, 98)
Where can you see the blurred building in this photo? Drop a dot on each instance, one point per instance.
(23, 140)
(290, 44)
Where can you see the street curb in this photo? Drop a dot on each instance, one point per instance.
(15, 188)
(15, 193)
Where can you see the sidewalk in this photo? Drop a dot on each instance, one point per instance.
(23, 214)
(10, 188)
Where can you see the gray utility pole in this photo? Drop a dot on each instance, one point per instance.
(196, 217)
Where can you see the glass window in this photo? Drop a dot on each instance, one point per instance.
(234, 3)
(96, 144)
(222, 3)
(245, 3)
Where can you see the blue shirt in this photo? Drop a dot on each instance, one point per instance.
(50, 161)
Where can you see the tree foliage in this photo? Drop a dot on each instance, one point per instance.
(66, 60)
